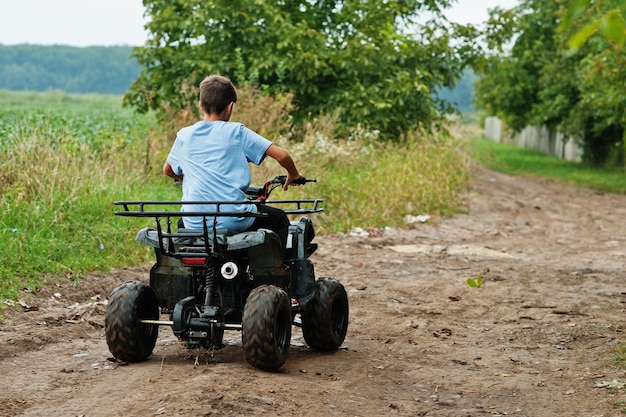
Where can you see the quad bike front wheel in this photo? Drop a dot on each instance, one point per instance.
(325, 320)
(128, 339)
(266, 327)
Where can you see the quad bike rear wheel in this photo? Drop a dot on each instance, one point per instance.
(266, 327)
(325, 320)
(128, 339)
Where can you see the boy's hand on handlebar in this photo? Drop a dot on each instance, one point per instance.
(299, 180)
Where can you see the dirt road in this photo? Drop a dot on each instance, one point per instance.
(536, 339)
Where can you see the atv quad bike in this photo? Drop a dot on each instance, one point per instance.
(208, 281)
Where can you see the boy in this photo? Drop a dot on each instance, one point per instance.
(211, 159)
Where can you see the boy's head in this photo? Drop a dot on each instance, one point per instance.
(216, 93)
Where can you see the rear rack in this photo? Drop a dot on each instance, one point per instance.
(301, 207)
(166, 238)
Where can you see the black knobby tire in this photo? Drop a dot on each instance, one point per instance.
(266, 327)
(128, 339)
(325, 321)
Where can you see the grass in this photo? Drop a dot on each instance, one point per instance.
(517, 161)
(619, 358)
(68, 158)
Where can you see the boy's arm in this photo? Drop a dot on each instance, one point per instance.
(167, 170)
(285, 160)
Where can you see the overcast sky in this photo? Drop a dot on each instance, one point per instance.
(120, 22)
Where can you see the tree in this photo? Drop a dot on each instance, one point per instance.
(541, 81)
(370, 59)
(510, 84)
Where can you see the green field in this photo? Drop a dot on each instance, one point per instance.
(66, 159)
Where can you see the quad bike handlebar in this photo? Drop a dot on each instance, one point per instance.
(262, 193)
(281, 179)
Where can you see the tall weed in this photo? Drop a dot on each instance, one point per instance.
(367, 183)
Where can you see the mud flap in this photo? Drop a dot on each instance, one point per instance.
(179, 316)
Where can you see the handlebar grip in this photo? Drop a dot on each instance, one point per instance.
(303, 181)
(280, 179)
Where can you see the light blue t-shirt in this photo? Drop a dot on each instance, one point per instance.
(214, 157)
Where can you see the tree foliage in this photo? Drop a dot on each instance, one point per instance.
(542, 81)
(588, 18)
(95, 69)
(377, 62)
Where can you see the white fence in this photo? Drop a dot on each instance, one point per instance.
(540, 138)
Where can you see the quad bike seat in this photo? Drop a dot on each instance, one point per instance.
(195, 238)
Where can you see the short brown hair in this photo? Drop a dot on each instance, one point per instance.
(216, 92)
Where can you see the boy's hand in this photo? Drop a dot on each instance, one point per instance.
(291, 180)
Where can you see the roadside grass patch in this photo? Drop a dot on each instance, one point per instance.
(512, 160)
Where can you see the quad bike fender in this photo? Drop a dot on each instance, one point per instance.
(170, 281)
(302, 276)
(301, 234)
(266, 257)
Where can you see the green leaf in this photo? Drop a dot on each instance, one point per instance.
(475, 282)
(576, 8)
(612, 27)
(580, 37)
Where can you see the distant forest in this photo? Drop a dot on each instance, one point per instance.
(94, 69)
(462, 95)
(111, 70)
